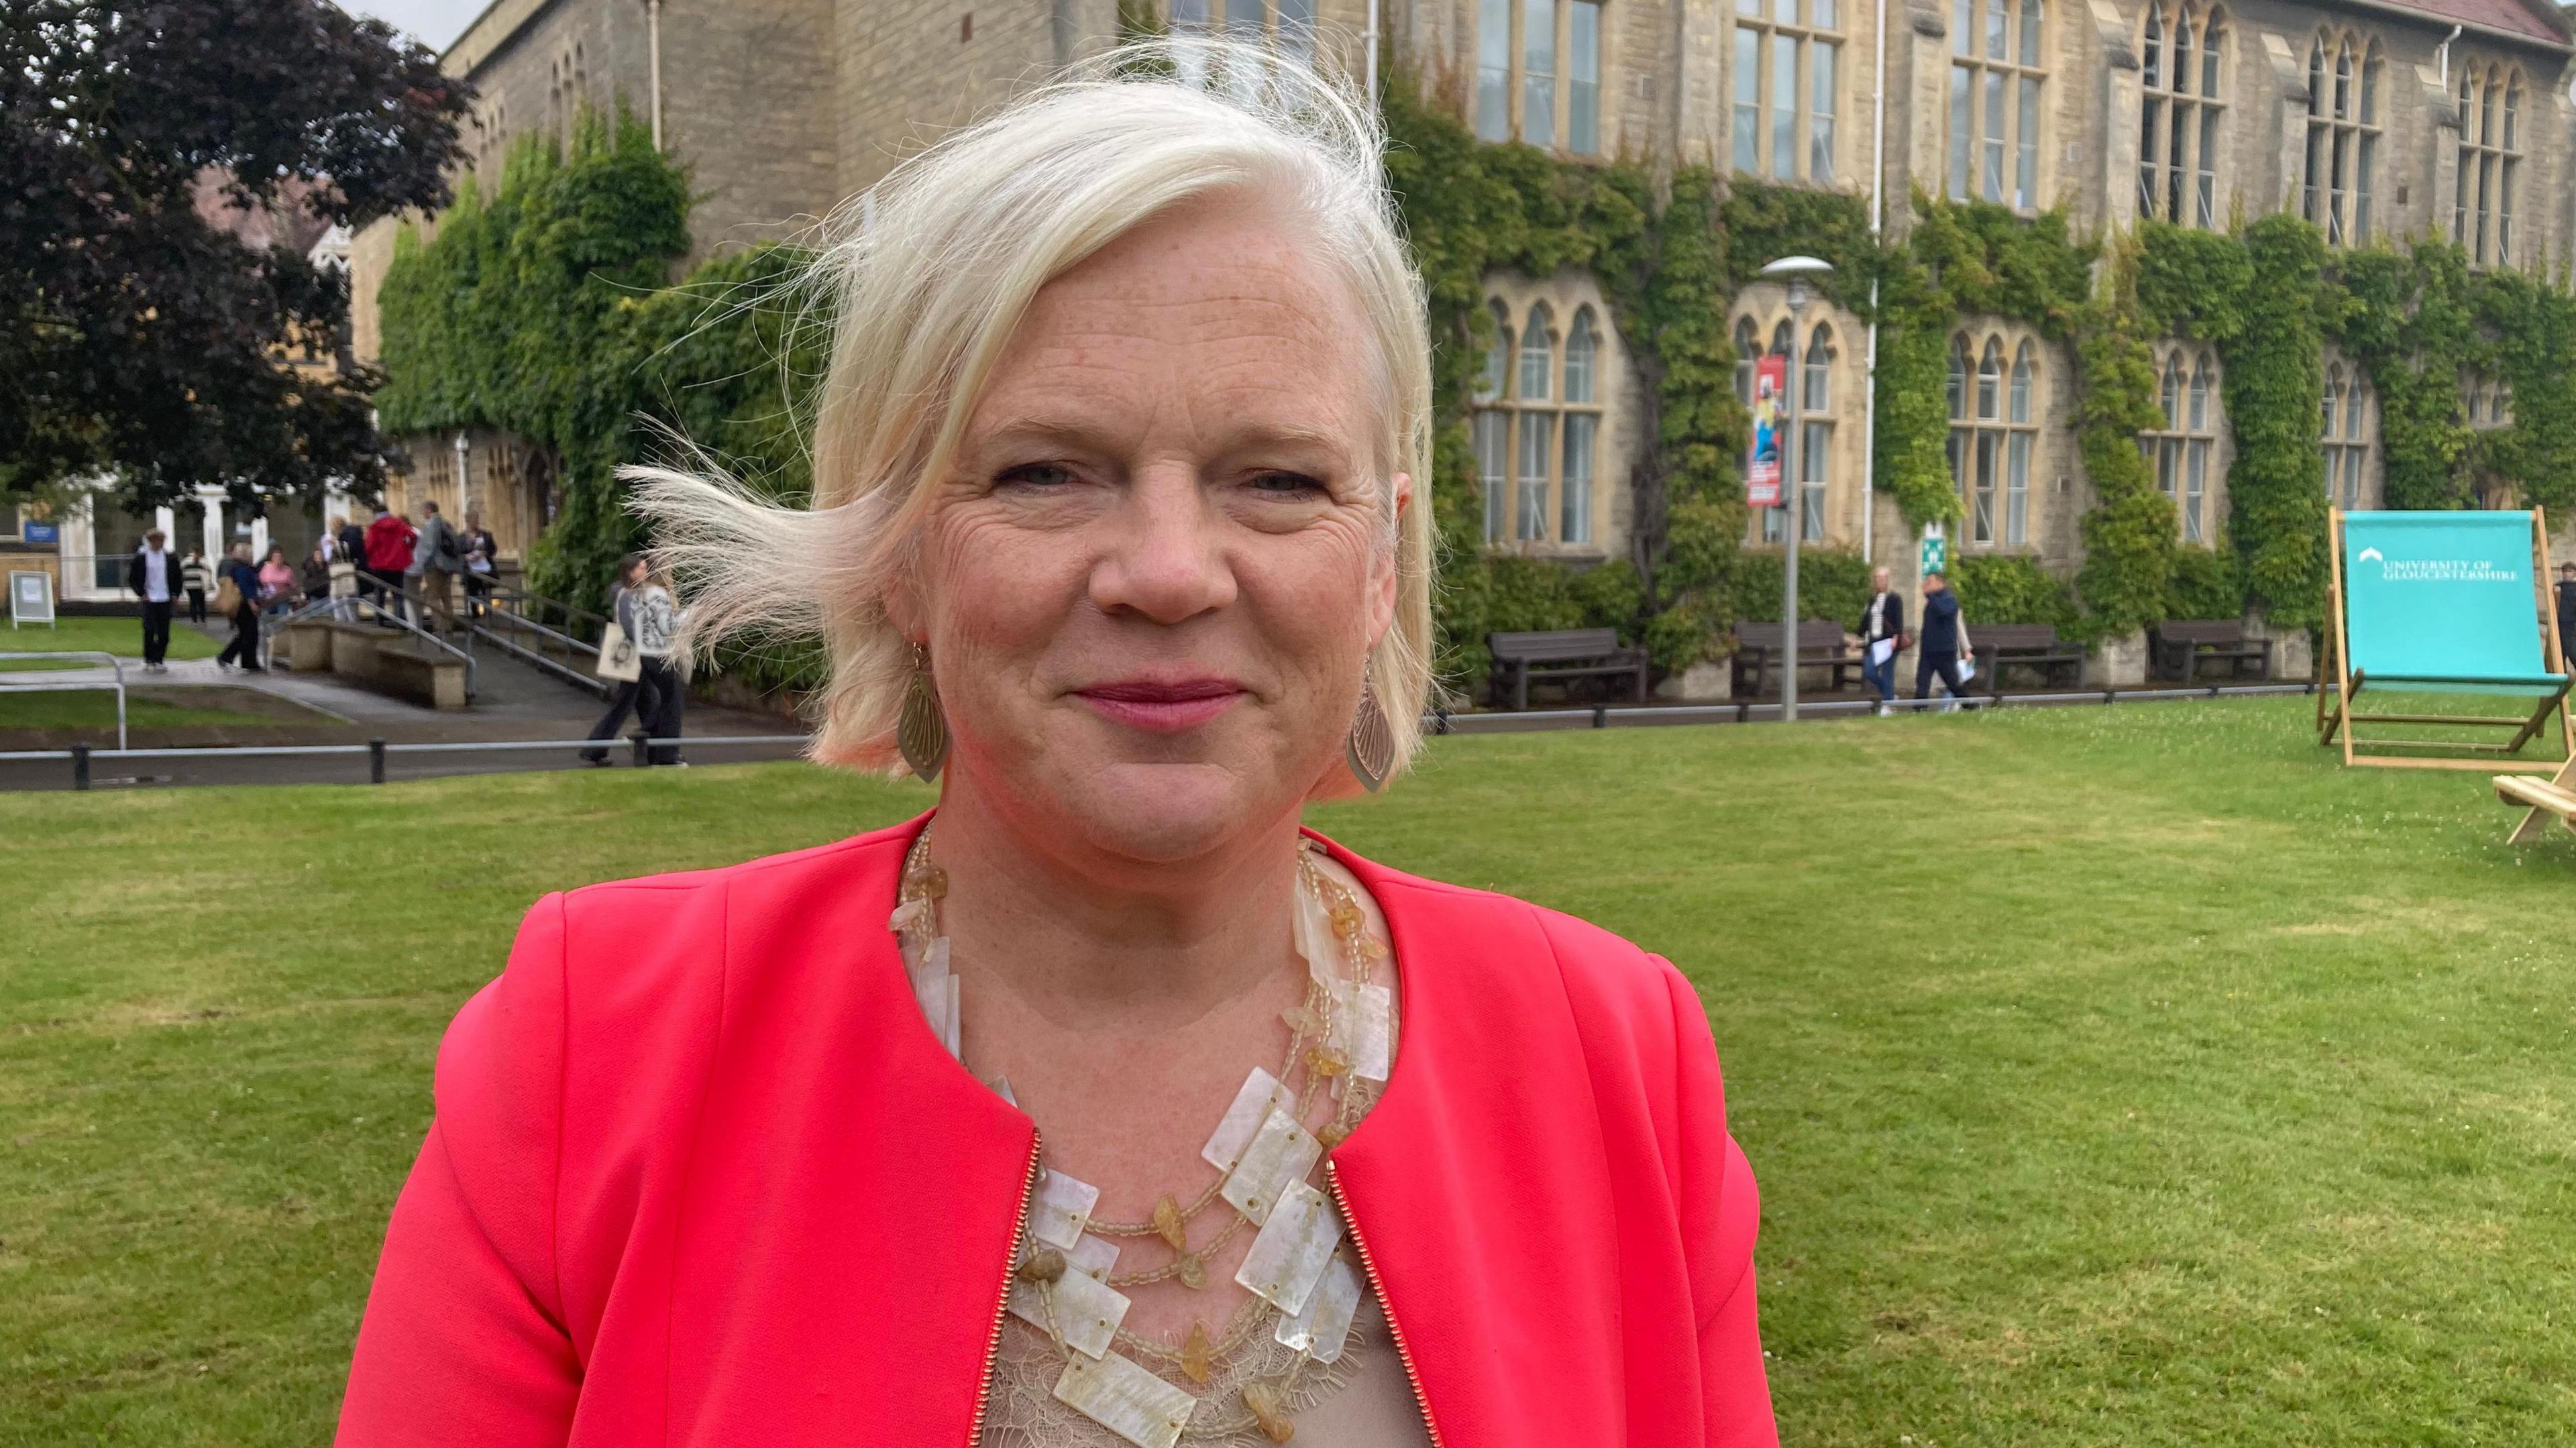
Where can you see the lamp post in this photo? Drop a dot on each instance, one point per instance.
(1795, 270)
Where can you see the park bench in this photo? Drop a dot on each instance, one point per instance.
(1821, 641)
(1560, 656)
(2183, 645)
(2034, 646)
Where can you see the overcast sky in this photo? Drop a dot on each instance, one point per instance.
(436, 23)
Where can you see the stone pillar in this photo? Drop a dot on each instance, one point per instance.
(2119, 662)
(1925, 113)
(2439, 171)
(2288, 158)
(2117, 199)
(2294, 655)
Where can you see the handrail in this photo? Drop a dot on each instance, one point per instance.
(561, 668)
(12, 686)
(367, 604)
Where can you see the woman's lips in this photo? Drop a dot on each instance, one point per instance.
(1164, 706)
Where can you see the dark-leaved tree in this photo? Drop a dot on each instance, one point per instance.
(138, 340)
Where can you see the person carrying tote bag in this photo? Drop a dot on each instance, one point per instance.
(620, 662)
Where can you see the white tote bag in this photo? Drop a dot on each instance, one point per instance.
(618, 659)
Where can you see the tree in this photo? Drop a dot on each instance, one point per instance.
(138, 340)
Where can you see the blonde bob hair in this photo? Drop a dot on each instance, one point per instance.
(927, 276)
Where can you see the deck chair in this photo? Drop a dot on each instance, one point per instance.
(2554, 797)
(2441, 603)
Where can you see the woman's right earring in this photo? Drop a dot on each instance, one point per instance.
(921, 732)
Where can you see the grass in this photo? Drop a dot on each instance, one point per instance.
(2114, 1076)
(122, 637)
(96, 709)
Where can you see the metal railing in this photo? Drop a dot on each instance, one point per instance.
(11, 684)
(516, 622)
(377, 750)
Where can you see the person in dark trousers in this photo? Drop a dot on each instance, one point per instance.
(643, 608)
(2566, 610)
(242, 651)
(387, 547)
(198, 577)
(482, 561)
(1943, 642)
(1882, 621)
(153, 575)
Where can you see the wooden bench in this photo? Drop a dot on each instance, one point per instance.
(2183, 645)
(2002, 646)
(1560, 656)
(2541, 799)
(1821, 642)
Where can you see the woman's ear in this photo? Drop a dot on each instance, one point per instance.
(1385, 573)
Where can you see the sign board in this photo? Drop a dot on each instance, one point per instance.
(31, 598)
(1762, 467)
(41, 532)
(1936, 551)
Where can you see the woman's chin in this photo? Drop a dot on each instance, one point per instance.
(1168, 812)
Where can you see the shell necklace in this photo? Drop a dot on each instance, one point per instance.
(1341, 1042)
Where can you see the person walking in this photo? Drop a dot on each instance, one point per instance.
(243, 650)
(316, 579)
(2566, 610)
(437, 553)
(153, 575)
(644, 611)
(388, 549)
(198, 577)
(482, 563)
(1943, 644)
(1882, 637)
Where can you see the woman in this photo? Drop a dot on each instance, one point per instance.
(1115, 537)
(316, 582)
(276, 582)
(641, 603)
(197, 579)
(242, 649)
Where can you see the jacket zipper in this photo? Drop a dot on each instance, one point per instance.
(1010, 1265)
(1368, 1264)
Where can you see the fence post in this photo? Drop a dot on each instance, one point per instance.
(375, 761)
(80, 766)
(637, 739)
(1600, 716)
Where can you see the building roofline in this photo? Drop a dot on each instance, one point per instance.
(489, 31)
(2558, 43)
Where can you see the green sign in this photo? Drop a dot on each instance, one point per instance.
(1936, 553)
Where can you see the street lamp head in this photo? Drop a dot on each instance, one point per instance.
(1796, 271)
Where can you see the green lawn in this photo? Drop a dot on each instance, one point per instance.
(2115, 1076)
(122, 637)
(96, 709)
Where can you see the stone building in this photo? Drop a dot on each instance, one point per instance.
(2374, 118)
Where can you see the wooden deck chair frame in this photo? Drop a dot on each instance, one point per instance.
(2545, 802)
(2335, 713)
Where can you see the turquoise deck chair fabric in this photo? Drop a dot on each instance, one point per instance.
(2443, 602)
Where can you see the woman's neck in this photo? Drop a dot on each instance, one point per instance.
(1080, 933)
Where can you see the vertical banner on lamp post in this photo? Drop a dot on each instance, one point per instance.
(1762, 468)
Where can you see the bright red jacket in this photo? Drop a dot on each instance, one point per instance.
(701, 1174)
(389, 544)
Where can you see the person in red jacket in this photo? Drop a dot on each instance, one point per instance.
(1104, 1104)
(389, 549)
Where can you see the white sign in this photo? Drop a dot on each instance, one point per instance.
(31, 598)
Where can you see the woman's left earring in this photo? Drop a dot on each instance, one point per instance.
(1370, 750)
(921, 732)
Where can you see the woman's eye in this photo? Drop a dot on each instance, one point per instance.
(1288, 485)
(1036, 475)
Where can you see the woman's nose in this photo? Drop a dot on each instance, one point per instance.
(1164, 561)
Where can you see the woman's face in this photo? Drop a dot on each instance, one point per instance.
(1150, 584)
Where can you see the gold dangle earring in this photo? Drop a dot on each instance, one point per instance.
(1370, 749)
(921, 733)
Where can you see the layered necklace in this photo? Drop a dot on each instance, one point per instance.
(1306, 1288)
